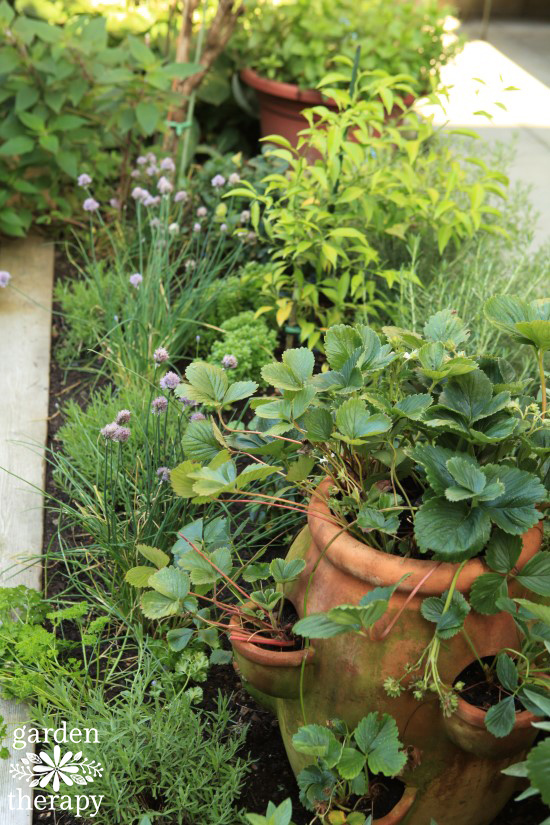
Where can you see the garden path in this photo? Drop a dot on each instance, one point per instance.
(25, 330)
(516, 54)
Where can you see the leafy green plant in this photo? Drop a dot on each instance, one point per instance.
(204, 559)
(345, 762)
(341, 227)
(71, 102)
(279, 41)
(167, 761)
(245, 346)
(274, 815)
(429, 452)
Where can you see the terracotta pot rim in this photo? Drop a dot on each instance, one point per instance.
(265, 656)
(375, 567)
(398, 812)
(475, 716)
(288, 91)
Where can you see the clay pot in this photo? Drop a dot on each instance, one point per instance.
(466, 728)
(454, 786)
(271, 673)
(282, 104)
(400, 811)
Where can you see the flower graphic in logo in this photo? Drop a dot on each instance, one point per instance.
(71, 769)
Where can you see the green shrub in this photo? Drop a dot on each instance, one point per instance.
(249, 341)
(295, 41)
(342, 227)
(71, 103)
(164, 761)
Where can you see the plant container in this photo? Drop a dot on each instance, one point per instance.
(282, 104)
(466, 728)
(453, 785)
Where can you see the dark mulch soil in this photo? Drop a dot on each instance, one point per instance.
(271, 777)
(482, 688)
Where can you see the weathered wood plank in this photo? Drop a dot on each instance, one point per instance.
(25, 322)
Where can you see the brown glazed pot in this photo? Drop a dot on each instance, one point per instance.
(466, 728)
(453, 786)
(282, 104)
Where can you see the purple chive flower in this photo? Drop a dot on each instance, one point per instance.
(245, 216)
(174, 228)
(150, 158)
(167, 165)
(229, 362)
(218, 181)
(188, 402)
(5, 278)
(169, 381)
(135, 173)
(109, 430)
(163, 473)
(164, 186)
(90, 205)
(223, 227)
(160, 355)
(196, 227)
(155, 223)
(136, 279)
(159, 405)
(251, 237)
(115, 203)
(142, 160)
(123, 417)
(151, 200)
(181, 196)
(138, 193)
(151, 170)
(84, 179)
(234, 177)
(121, 434)
(202, 212)
(198, 416)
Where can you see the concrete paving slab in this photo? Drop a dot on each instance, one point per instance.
(482, 83)
(25, 328)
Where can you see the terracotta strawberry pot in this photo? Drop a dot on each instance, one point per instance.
(271, 673)
(282, 104)
(466, 728)
(454, 786)
(400, 811)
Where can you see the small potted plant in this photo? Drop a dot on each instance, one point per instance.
(423, 466)
(285, 49)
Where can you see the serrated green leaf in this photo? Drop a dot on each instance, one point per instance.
(507, 672)
(316, 740)
(538, 768)
(448, 622)
(208, 383)
(452, 530)
(157, 557)
(500, 718)
(139, 576)
(286, 571)
(318, 424)
(535, 574)
(178, 638)
(181, 480)
(445, 326)
(485, 592)
(378, 738)
(170, 582)
(503, 551)
(239, 390)
(413, 406)
(199, 442)
(156, 606)
(351, 763)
